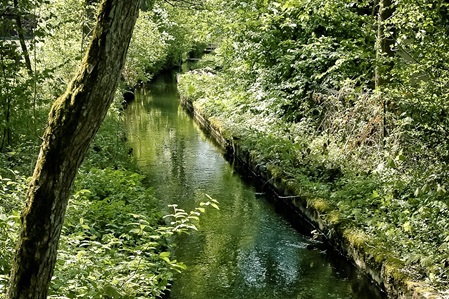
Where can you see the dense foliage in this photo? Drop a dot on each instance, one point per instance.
(343, 101)
(312, 92)
(55, 35)
(115, 241)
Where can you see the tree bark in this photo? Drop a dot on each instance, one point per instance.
(73, 121)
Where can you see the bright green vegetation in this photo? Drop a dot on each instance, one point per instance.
(307, 88)
(115, 241)
(345, 106)
(245, 250)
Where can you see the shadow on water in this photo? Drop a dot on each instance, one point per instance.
(254, 247)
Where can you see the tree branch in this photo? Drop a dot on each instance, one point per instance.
(191, 4)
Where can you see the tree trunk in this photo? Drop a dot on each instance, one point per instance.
(384, 54)
(73, 121)
(6, 140)
(5, 94)
(385, 42)
(23, 45)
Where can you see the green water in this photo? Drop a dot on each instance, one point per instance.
(245, 250)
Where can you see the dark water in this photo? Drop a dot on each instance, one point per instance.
(245, 250)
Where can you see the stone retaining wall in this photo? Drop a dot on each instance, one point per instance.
(377, 265)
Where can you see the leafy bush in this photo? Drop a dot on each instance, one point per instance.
(293, 103)
(12, 192)
(114, 242)
(110, 242)
(142, 62)
(109, 147)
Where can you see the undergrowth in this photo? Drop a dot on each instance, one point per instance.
(115, 242)
(339, 156)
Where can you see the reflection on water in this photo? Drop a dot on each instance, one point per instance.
(245, 250)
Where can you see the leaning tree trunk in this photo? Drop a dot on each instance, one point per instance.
(73, 121)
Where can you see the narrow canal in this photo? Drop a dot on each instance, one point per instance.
(244, 250)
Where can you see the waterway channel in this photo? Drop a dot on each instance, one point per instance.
(247, 249)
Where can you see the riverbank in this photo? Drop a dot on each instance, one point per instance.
(244, 250)
(268, 155)
(113, 222)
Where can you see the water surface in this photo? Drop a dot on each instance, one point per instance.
(246, 249)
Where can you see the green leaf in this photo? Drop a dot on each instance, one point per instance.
(407, 227)
(441, 190)
(390, 162)
(166, 259)
(192, 227)
(416, 192)
(112, 292)
(181, 266)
